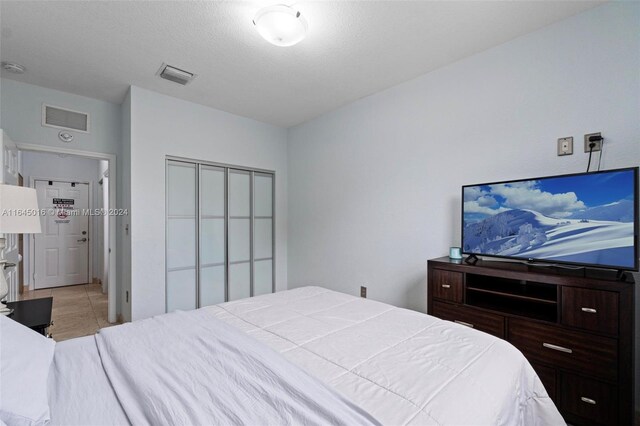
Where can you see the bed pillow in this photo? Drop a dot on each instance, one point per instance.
(25, 360)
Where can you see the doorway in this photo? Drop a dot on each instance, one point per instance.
(101, 230)
(61, 251)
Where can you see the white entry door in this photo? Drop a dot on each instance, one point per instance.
(62, 249)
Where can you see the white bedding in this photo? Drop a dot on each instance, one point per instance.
(79, 391)
(204, 371)
(400, 366)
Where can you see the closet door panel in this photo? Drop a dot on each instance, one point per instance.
(263, 242)
(212, 285)
(181, 290)
(212, 235)
(262, 277)
(239, 281)
(263, 234)
(212, 199)
(181, 191)
(212, 245)
(181, 243)
(181, 261)
(263, 195)
(239, 193)
(239, 240)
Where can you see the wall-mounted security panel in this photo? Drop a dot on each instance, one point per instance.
(63, 118)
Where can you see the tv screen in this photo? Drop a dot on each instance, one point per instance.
(587, 219)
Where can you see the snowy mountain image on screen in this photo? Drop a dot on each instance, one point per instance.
(539, 220)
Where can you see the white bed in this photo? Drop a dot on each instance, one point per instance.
(399, 366)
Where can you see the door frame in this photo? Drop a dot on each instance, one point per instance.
(111, 159)
(32, 244)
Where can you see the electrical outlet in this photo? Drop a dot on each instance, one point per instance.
(565, 146)
(597, 146)
(363, 292)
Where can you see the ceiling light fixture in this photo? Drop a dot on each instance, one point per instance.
(13, 67)
(281, 25)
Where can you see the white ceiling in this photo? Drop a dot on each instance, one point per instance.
(353, 49)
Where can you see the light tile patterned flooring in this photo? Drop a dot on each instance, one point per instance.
(78, 310)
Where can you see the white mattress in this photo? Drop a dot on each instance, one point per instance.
(401, 366)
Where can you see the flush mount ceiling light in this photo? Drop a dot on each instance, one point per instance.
(281, 25)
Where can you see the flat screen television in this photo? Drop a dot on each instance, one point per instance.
(584, 219)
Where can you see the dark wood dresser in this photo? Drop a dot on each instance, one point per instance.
(576, 331)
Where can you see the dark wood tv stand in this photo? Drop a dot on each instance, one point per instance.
(576, 328)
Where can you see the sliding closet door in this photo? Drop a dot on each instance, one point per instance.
(263, 234)
(181, 236)
(220, 228)
(212, 235)
(239, 234)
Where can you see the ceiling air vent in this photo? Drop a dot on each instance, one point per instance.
(175, 74)
(61, 118)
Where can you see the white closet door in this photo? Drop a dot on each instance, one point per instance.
(239, 234)
(212, 235)
(263, 234)
(181, 236)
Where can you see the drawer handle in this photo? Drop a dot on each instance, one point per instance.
(446, 286)
(557, 348)
(589, 310)
(463, 323)
(588, 400)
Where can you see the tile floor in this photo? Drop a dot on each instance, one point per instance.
(78, 310)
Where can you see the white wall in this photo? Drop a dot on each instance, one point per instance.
(20, 117)
(161, 126)
(374, 187)
(67, 168)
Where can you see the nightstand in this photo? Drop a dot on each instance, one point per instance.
(33, 313)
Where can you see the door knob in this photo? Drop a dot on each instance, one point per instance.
(82, 240)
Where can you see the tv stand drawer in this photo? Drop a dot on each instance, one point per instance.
(571, 350)
(590, 400)
(595, 310)
(475, 318)
(447, 285)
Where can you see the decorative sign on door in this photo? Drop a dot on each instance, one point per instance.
(64, 201)
(64, 208)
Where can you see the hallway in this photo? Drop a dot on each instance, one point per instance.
(78, 310)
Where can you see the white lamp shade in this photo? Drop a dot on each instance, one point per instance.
(281, 25)
(18, 210)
